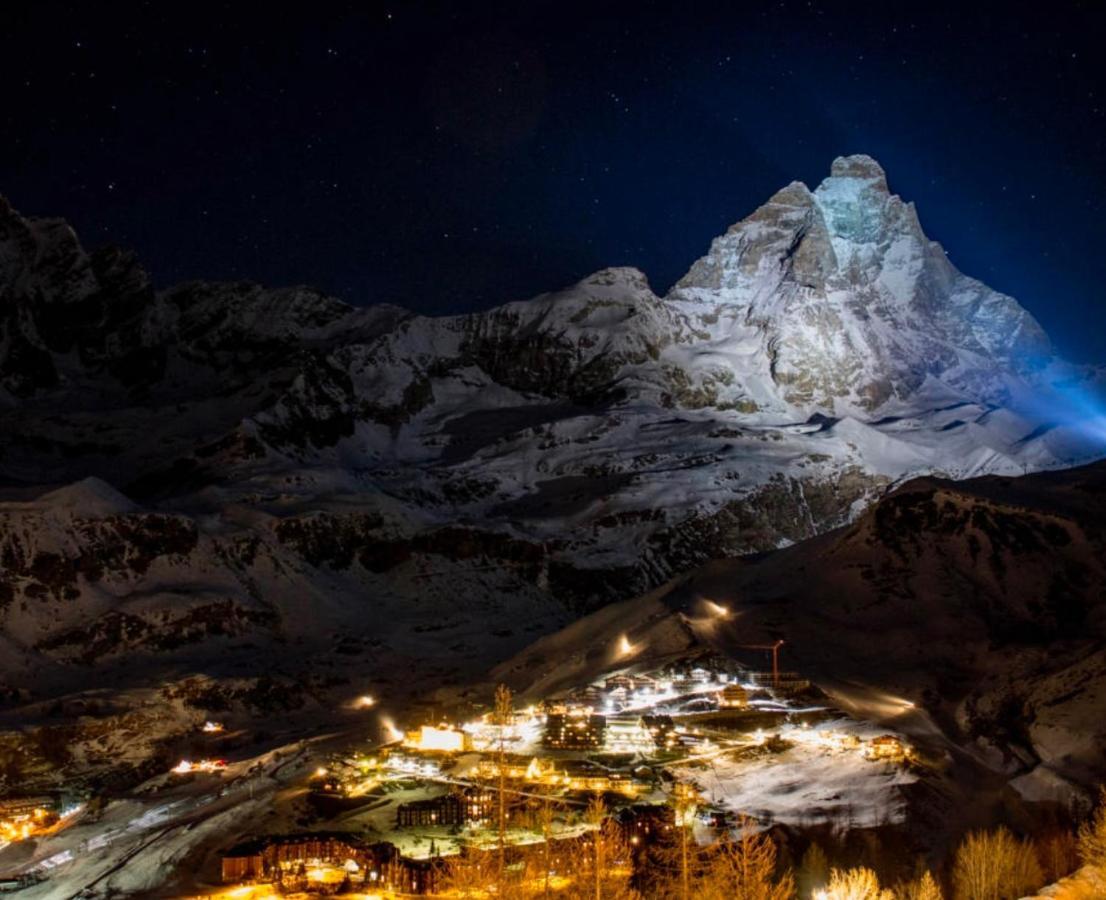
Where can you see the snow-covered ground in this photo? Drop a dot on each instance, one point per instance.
(141, 842)
(808, 784)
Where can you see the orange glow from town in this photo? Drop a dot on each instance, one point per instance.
(444, 739)
(185, 767)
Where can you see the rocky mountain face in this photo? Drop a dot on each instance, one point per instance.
(193, 476)
(970, 614)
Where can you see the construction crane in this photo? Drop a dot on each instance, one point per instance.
(774, 649)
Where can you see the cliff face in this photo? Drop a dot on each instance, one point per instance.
(254, 466)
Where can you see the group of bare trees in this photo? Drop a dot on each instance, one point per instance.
(596, 865)
(735, 867)
(599, 865)
(995, 865)
(988, 865)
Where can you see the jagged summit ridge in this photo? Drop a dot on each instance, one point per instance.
(854, 306)
(859, 165)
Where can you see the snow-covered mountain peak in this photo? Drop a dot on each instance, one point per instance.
(615, 280)
(857, 205)
(860, 166)
(851, 306)
(90, 497)
(753, 254)
(805, 232)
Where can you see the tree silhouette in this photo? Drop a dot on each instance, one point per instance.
(994, 865)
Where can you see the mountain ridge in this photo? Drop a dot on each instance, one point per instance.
(551, 454)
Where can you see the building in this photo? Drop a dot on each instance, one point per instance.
(296, 861)
(618, 683)
(573, 775)
(627, 735)
(581, 775)
(23, 817)
(574, 731)
(662, 730)
(885, 747)
(280, 858)
(516, 767)
(629, 683)
(326, 782)
(581, 697)
(733, 696)
(786, 683)
(645, 825)
(456, 808)
(16, 807)
(441, 739)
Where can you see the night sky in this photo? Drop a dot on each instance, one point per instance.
(454, 156)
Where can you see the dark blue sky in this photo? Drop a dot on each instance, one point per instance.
(453, 156)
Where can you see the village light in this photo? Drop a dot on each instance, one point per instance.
(365, 701)
(185, 766)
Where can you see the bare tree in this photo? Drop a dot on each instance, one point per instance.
(813, 871)
(923, 887)
(684, 800)
(854, 884)
(504, 716)
(744, 868)
(471, 874)
(995, 865)
(601, 868)
(1058, 854)
(541, 860)
(1092, 835)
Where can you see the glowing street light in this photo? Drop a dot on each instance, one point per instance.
(394, 734)
(624, 648)
(717, 609)
(365, 701)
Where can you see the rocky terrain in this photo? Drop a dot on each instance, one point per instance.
(248, 483)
